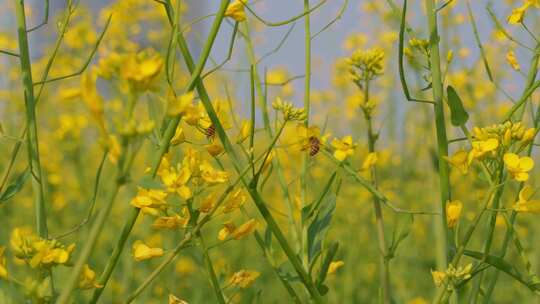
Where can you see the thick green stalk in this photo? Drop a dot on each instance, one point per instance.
(32, 134)
(442, 140)
(211, 272)
(383, 259)
(32, 140)
(307, 106)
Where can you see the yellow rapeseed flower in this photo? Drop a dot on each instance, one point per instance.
(150, 201)
(343, 148)
(142, 252)
(244, 278)
(181, 104)
(370, 161)
(211, 175)
(236, 11)
(3, 267)
(453, 212)
(460, 160)
(87, 279)
(512, 60)
(518, 167)
(244, 229)
(525, 203)
(480, 148)
(334, 266)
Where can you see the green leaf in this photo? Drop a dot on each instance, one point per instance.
(15, 186)
(458, 114)
(401, 231)
(328, 258)
(318, 228)
(309, 211)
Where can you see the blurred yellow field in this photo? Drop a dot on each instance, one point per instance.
(235, 151)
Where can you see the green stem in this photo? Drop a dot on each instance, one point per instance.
(490, 229)
(117, 251)
(211, 271)
(307, 106)
(383, 258)
(444, 234)
(32, 135)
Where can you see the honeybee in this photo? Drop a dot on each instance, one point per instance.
(310, 139)
(210, 132)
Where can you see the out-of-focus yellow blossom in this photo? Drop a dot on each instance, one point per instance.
(517, 15)
(334, 266)
(181, 104)
(518, 167)
(244, 278)
(417, 300)
(460, 160)
(208, 203)
(211, 175)
(214, 149)
(92, 98)
(175, 300)
(185, 265)
(236, 11)
(277, 76)
(525, 203)
(234, 201)
(244, 229)
(343, 148)
(438, 277)
(528, 136)
(142, 68)
(228, 228)
(141, 251)
(179, 136)
(464, 52)
(3, 264)
(453, 212)
(81, 34)
(370, 161)
(355, 41)
(150, 201)
(512, 60)
(244, 133)
(114, 148)
(87, 279)
(171, 222)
